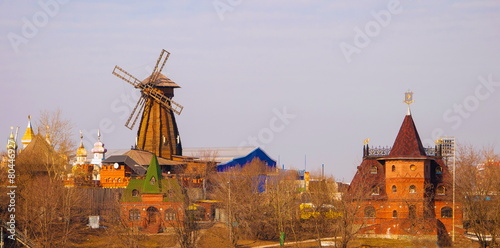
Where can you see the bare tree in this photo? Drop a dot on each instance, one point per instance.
(239, 189)
(58, 130)
(349, 221)
(49, 213)
(281, 197)
(185, 224)
(478, 188)
(320, 209)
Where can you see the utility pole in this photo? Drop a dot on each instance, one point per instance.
(1, 238)
(454, 179)
(230, 227)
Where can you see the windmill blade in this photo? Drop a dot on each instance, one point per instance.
(160, 63)
(162, 99)
(127, 77)
(135, 113)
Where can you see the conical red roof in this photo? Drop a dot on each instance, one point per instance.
(407, 143)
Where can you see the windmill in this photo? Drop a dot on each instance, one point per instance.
(157, 131)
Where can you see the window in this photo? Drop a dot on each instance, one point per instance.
(412, 212)
(413, 189)
(394, 189)
(446, 212)
(135, 193)
(413, 167)
(394, 214)
(439, 170)
(393, 168)
(152, 181)
(374, 170)
(375, 190)
(134, 214)
(441, 190)
(170, 214)
(370, 212)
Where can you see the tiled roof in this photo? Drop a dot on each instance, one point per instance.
(407, 143)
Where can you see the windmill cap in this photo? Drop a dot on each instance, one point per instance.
(162, 81)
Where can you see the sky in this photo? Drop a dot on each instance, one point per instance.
(305, 80)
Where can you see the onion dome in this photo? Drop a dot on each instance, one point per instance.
(99, 146)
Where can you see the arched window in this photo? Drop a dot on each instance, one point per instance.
(134, 214)
(412, 212)
(413, 167)
(375, 190)
(441, 190)
(370, 212)
(446, 212)
(374, 170)
(170, 214)
(413, 189)
(135, 193)
(152, 181)
(393, 168)
(439, 170)
(394, 214)
(394, 189)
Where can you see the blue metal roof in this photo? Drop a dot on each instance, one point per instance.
(242, 161)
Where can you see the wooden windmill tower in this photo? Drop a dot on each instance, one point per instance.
(158, 130)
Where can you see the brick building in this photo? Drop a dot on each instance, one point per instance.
(408, 189)
(153, 202)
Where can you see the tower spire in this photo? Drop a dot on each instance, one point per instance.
(47, 134)
(81, 152)
(408, 100)
(29, 134)
(81, 138)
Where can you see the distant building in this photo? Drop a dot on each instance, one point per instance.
(84, 171)
(217, 154)
(256, 154)
(153, 202)
(408, 188)
(38, 157)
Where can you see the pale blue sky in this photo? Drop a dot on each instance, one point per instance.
(239, 65)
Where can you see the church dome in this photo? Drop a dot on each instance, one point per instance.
(99, 147)
(81, 151)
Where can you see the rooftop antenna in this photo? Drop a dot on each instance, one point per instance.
(305, 162)
(408, 100)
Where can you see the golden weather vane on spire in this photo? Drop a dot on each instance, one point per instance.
(408, 100)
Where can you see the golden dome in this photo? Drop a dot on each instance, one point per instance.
(81, 151)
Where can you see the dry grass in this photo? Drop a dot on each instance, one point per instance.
(100, 238)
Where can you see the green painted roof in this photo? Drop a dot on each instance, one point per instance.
(154, 183)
